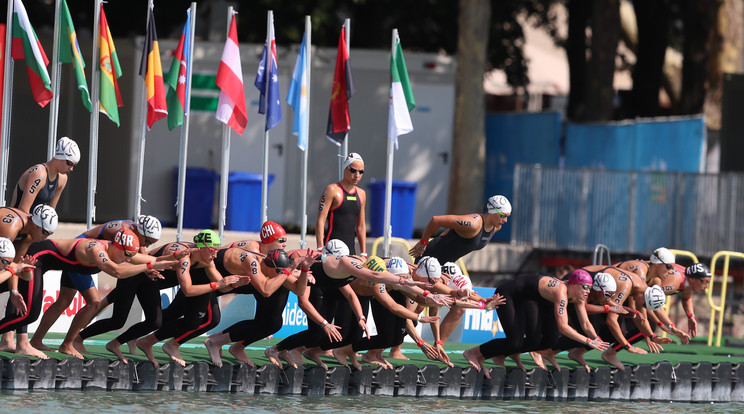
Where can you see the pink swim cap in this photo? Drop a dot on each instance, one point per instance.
(580, 277)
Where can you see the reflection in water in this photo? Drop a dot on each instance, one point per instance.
(102, 402)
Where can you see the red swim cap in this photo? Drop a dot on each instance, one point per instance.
(271, 231)
(126, 240)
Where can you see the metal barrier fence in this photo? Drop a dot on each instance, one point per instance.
(629, 211)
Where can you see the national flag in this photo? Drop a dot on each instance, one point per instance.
(178, 76)
(343, 89)
(231, 108)
(110, 97)
(297, 97)
(69, 52)
(152, 72)
(401, 96)
(269, 98)
(2, 70)
(27, 46)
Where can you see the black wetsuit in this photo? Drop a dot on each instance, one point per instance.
(527, 319)
(122, 296)
(451, 246)
(342, 220)
(268, 316)
(391, 328)
(325, 297)
(44, 193)
(48, 257)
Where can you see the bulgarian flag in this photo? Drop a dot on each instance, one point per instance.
(27, 46)
(401, 96)
(69, 52)
(110, 99)
(178, 76)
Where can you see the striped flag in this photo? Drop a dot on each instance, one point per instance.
(152, 72)
(270, 101)
(231, 108)
(297, 97)
(401, 96)
(178, 76)
(343, 89)
(110, 98)
(27, 46)
(69, 52)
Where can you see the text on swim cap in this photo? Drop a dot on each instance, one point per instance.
(267, 231)
(124, 239)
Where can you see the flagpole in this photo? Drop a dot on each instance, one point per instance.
(265, 169)
(143, 134)
(306, 127)
(96, 105)
(387, 229)
(7, 103)
(343, 149)
(182, 158)
(56, 85)
(225, 165)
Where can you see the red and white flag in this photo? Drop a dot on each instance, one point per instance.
(231, 108)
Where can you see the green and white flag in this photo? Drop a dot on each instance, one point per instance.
(401, 96)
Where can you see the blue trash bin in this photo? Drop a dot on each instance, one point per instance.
(402, 208)
(198, 202)
(244, 201)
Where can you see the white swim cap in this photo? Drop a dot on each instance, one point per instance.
(353, 156)
(655, 298)
(45, 217)
(498, 204)
(149, 226)
(604, 282)
(429, 267)
(452, 269)
(6, 248)
(460, 282)
(336, 247)
(397, 266)
(662, 255)
(67, 149)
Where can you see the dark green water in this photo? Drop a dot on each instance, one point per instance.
(102, 402)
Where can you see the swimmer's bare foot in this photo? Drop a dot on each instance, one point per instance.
(397, 354)
(27, 349)
(538, 358)
(238, 351)
(36, 344)
(171, 348)
(7, 344)
(577, 354)
(293, 356)
(518, 360)
(610, 357)
(132, 347)
(476, 360)
(213, 350)
(115, 348)
(69, 349)
(328, 353)
(499, 360)
(273, 355)
(550, 357)
(78, 344)
(347, 352)
(145, 345)
(313, 354)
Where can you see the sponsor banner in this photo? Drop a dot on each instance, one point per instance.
(479, 326)
(50, 295)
